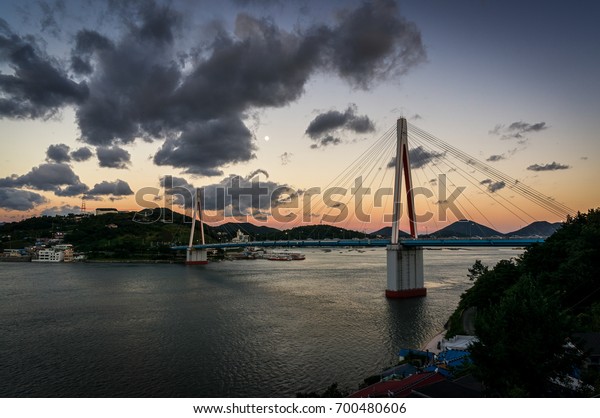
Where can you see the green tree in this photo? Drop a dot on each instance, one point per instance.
(489, 287)
(528, 309)
(568, 263)
(523, 343)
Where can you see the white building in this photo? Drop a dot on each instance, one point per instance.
(240, 237)
(458, 342)
(57, 254)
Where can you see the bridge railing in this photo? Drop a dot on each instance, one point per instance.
(442, 242)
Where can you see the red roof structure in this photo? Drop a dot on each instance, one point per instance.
(398, 388)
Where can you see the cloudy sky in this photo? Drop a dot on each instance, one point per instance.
(104, 99)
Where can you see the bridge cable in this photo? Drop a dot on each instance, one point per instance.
(524, 190)
(533, 195)
(381, 161)
(352, 169)
(458, 203)
(369, 159)
(375, 160)
(468, 176)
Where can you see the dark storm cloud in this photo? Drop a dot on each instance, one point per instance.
(114, 188)
(257, 196)
(81, 154)
(326, 122)
(113, 157)
(88, 42)
(325, 141)
(139, 89)
(133, 79)
(179, 190)
(155, 81)
(527, 127)
(517, 130)
(553, 166)
(218, 197)
(493, 186)
(419, 157)
(373, 42)
(57, 178)
(72, 190)
(37, 87)
(58, 153)
(130, 94)
(15, 199)
(496, 157)
(207, 146)
(61, 210)
(334, 120)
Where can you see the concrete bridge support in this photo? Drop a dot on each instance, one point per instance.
(405, 272)
(404, 264)
(194, 256)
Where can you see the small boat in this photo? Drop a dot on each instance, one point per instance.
(279, 257)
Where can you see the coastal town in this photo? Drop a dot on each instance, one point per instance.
(443, 368)
(106, 233)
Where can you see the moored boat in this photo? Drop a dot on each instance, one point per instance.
(279, 257)
(285, 256)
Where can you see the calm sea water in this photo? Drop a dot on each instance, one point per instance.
(251, 328)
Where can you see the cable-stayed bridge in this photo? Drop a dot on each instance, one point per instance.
(405, 277)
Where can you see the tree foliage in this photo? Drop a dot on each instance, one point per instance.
(147, 234)
(528, 308)
(522, 345)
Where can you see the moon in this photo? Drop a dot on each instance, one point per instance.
(267, 138)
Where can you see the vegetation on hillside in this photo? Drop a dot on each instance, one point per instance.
(528, 310)
(146, 234)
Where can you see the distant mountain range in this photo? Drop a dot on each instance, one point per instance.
(466, 228)
(260, 233)
(387, 232)
(541, 228)
(125, 233)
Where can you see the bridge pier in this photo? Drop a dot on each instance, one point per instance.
(194, 256)
(405, 272)
(404, 264)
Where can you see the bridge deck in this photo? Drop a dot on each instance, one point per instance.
(509, 242)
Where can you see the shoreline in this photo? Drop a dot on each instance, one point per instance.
(133, 261)
(432, 345)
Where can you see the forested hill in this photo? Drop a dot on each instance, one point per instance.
(144, 233)
(529, 311)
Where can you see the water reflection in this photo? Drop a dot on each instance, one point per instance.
(245, 328)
